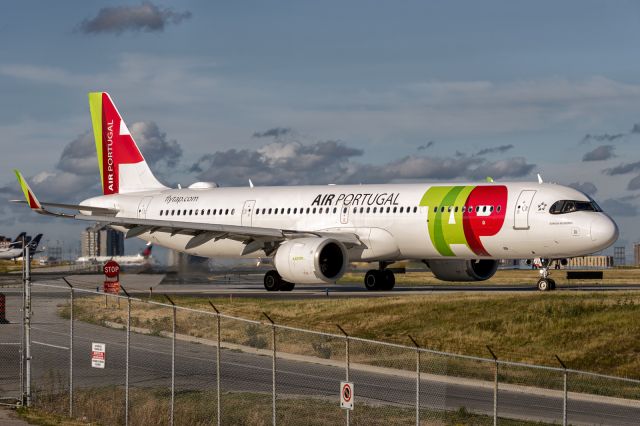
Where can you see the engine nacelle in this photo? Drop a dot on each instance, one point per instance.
(311, 260)
(463, 270)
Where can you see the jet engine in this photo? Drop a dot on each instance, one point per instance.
(311, 260)
(463, 270)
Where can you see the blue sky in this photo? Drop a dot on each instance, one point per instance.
(365, 91)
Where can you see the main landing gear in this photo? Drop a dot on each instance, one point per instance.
(274, 282)
(380, 279)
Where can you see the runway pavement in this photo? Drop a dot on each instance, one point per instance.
(250, 372)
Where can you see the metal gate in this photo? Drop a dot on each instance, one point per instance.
(521, 215)
(247, 212)
(10, 346)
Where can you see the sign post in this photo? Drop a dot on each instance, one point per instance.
(98, 355)
(346, 395)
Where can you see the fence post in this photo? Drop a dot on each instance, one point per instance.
(126, 361)
(346, 337)
(417, 379)
(173, 361)
(26, 264)
(219, 408)
(273, 368)
(70, 346)
(564, 391)
(495, 388)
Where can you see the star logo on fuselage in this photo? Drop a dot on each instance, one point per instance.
(542, 206)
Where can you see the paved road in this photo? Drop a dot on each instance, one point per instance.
(195, 369)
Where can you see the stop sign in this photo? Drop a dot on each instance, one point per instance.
(111, 269)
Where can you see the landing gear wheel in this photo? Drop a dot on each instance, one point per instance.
(287, 286)
(389, 279)
(552, 283)
(373, 280)
(544, 284)
(272, 280)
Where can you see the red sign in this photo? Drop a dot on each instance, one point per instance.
(111, 269)
(111, 287)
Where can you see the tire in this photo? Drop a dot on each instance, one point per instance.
(389, 279)
(287, 286)
(272, 280)
(544, 284)
(552, 283)
(373, 280)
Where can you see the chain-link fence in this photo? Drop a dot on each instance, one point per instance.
(163, 363)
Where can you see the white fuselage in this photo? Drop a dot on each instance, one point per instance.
(393, 221)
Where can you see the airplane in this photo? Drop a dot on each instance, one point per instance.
(15, 250)
(142, 258)
(311, 233)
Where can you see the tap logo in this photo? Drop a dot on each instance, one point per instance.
(462, 214)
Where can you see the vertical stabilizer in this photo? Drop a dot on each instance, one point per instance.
(122, 167)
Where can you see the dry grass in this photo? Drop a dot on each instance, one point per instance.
(151, 407)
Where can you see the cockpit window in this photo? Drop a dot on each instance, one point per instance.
(569, 206)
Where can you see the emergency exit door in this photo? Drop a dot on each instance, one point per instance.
(247, 212)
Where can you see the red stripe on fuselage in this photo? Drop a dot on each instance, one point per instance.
(476, 224)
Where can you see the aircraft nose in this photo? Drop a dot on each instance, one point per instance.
(604, 230)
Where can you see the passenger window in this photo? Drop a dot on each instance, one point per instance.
(160, 212)
(484, 209)
(477, 209)
(196, 212)
(498, 209)
(455, 209)
(178, 213)
(173, 212)
(190, 212)
(295, 210)
(449, 209)
(314, 210)
(308, 210)
(388, 209)
(375, 209)
(233, 211)
(415, 209)
(361, 209)
(435, 209)
(442, 209)
(289, 210)
(491, 208)
(208, 212)
(226, 212)
(402, 209)
(335, 210)
(395, 209)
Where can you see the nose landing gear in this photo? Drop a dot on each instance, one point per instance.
(544, 283)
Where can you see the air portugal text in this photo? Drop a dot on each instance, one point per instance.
(362, 199)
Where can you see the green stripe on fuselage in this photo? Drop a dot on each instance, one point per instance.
(441, 231)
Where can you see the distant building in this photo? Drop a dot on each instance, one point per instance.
(619, 256)
(589, 262)
(4, 242)
(101, 241)
(636, 254)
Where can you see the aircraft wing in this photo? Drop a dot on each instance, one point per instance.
(255, 238)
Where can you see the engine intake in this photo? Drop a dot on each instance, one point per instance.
(463, 270)
(311, 260)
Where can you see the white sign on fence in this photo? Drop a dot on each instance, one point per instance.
(98, 351)
(346, 395)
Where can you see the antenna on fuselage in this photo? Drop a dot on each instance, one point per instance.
(250, 183)
(539, 178)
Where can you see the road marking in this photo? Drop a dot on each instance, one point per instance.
(50, 345)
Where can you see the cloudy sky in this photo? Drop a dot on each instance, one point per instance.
(325, 92)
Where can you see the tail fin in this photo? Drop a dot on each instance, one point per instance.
(33, 245)
(146, 253)
(122, 167)
(20, 237)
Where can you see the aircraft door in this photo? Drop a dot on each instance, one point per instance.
(521, 215)
(344, 215)
(143, 206)
(247, 212)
